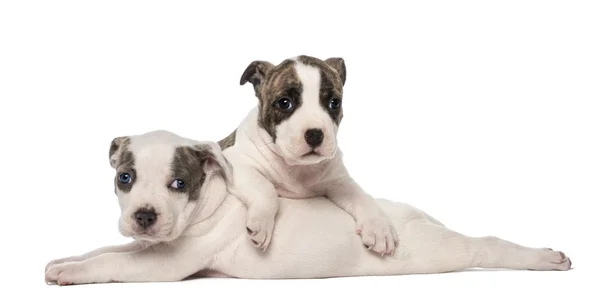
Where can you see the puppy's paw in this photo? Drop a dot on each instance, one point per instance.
(548, 259)
(66, 273)
(378, 235)
(260, 230)
(62, 260)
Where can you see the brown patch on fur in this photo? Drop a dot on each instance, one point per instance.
(227, 141)
(329, 91)
(123, 161)
(333, 77)
(340, 67)
(115, 145)
(272, 83)
(281, 82)
(188, 166)
(125, 164)
(255, 73)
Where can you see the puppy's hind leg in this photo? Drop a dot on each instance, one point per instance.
(439, 249)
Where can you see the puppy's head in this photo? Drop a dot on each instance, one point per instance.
(300, 105)
(159, 180)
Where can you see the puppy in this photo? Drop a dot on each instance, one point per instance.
(174, 203)
(287, 147)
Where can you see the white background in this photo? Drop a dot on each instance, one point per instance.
(483, 113)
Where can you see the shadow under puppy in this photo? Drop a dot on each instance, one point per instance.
(287, 147)
(174, 202)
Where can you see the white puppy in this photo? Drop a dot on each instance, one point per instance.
(175, 204)
(287, 147)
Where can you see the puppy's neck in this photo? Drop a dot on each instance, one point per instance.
(207, 214)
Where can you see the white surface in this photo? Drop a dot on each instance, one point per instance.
(483, 114)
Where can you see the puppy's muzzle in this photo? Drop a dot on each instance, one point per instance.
(314, 137)
(145, 217)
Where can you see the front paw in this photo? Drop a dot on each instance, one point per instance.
(66, 273)
(378, 235)
(62, 260)
(260, 230)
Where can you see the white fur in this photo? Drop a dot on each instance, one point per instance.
(265, 170)
(290, 133)
(314, 239)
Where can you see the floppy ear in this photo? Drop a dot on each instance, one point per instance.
(214, 160)
(255, 73)
(339, 65)
(116, 147)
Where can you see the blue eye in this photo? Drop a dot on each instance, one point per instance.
(178, 184)
(124, 178)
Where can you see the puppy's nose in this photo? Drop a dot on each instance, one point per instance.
(145, 217)
(314, 137)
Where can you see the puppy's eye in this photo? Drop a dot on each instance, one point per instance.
(335, 103)
(284, 104)
(124, 178)
(178, 184)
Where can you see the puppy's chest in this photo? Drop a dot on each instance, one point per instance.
(300, 184)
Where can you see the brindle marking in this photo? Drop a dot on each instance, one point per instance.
(123, 161)
(188, 166)
(333, 78)
(340, 67)
(272, 83)
(255, 73)
(126, 164)
(115, 145)
(227, 141)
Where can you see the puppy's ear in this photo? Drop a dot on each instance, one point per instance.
(214, 160)
(117, 146)
(255, 73)
(339, 65)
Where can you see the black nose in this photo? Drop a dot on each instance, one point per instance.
(145, 217)
(314, 137)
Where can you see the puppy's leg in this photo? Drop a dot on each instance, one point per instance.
(440, 249)
(159, 263)
(132, 246)
(260, 197)
(375, 228)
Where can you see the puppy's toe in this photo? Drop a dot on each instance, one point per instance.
(260, 232)
(51, 274)
(559, 259)
(262, 239)
(368, 240)
(390, 245)
(379, 236)
(380, 244)
(547, 259)
(250, 231)
(60, 261)
(68, 273)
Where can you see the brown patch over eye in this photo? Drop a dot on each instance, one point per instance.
(282, 82)
(329, 92)
(126, 165)
(281, 86)
(188, 166)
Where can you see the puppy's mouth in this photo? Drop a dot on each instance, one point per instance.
(150, 235)
(311, 153)
(309, 158)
